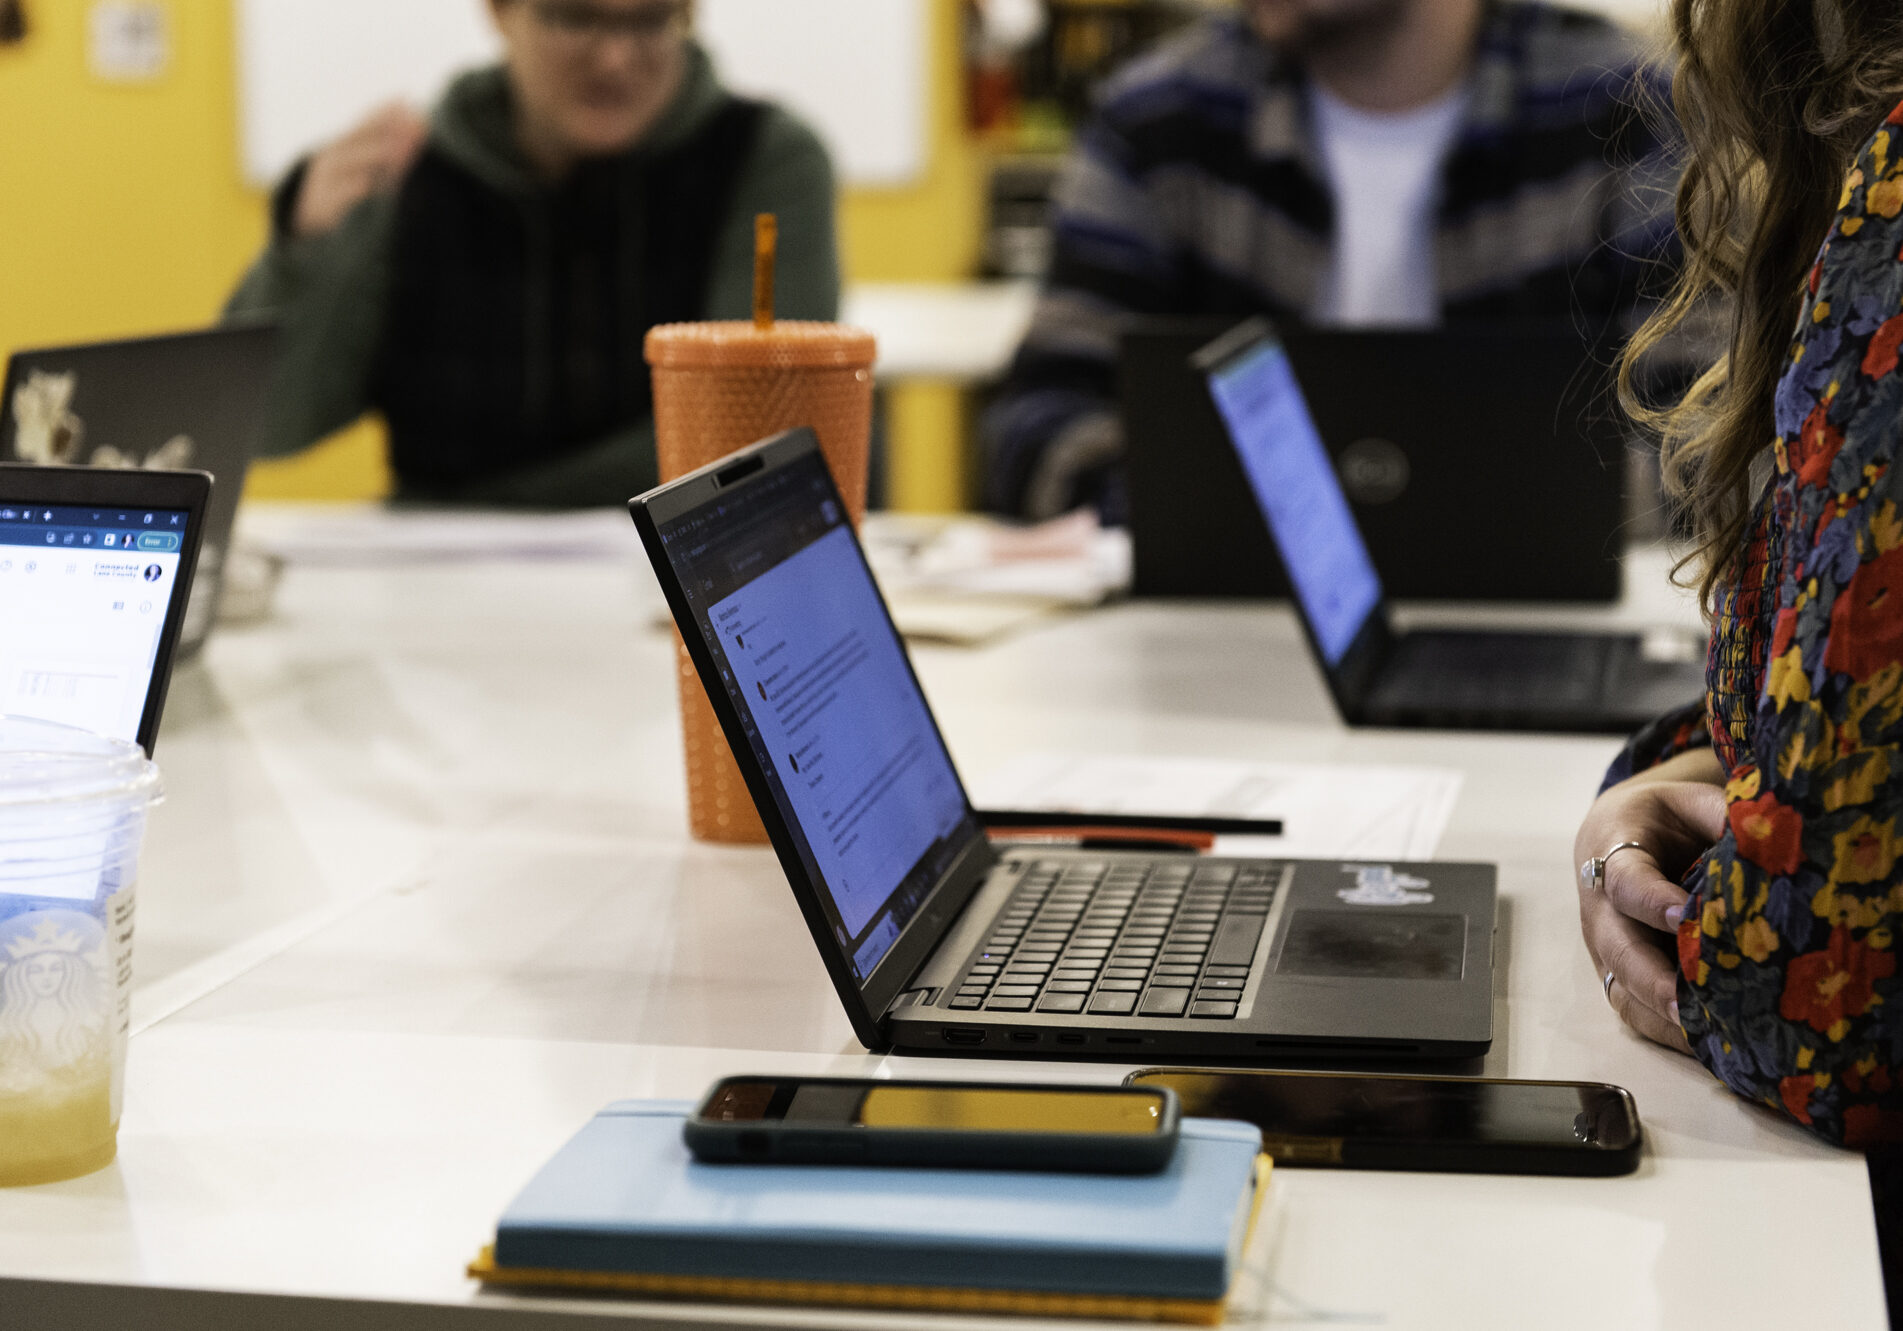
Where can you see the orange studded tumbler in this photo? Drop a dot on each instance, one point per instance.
(722, 386)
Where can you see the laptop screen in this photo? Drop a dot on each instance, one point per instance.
(1299, 495)
(782, 596)
(181, 400)
(84, 593)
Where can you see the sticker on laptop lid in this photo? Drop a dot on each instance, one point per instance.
(1379, 885)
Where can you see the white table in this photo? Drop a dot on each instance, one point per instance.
(419, 902)
(937, 341)
(967, 331)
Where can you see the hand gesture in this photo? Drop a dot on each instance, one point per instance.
(342, 174)
(1629, 923)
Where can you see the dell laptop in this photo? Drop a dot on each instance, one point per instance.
(95, 572)
(1425, 426)
(182, 401)
(1377, 674)
(939, 942)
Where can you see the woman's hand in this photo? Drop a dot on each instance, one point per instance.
(1675, 812)
(373, 156)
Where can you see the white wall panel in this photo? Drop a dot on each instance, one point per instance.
(855, 69)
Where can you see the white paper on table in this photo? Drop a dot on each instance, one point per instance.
(1327, 811)
(965, 621)
(1069, 560)
(369, 535)
(965, 580)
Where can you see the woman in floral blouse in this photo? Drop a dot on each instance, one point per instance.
(1754, 919)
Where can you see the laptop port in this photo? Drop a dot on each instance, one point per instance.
(1123, 1039)
(964, 1035)
(1070, 1039)
(1024, 1037)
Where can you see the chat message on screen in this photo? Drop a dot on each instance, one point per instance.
(842, 720)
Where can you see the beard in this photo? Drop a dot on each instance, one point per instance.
(1304, 27)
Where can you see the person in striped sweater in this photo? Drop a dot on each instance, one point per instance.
(1345, 162)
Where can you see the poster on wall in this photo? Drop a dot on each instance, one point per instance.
(856, 70)
(128, 41)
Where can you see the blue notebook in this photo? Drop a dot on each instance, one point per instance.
(625, 1198)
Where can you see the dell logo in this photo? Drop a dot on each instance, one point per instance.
(1373, 471)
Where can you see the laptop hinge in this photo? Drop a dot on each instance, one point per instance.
(924, 935)
(966, 931)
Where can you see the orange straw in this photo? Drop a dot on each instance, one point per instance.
(766, 240)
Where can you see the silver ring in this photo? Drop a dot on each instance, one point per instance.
(1607, 985)
(1592, 874)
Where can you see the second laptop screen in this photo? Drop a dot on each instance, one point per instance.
(1300, 496)
(808, 656)
(84, 593)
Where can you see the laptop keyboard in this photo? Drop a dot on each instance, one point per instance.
(1167, 938)
(1483, 671)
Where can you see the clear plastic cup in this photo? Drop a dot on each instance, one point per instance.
(72, 816)
(721, 386)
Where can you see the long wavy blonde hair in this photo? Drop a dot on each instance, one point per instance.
(1774, 98)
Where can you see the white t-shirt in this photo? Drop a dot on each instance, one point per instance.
(1384, 170)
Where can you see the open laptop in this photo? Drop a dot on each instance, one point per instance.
(185, 400)
(1426, 427)
(938, 942)
(1378, 675)
(95, 570)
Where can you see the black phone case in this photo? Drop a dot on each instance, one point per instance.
(1586, 1159)
(781, 1143)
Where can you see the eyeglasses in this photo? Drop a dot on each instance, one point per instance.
(579, 24)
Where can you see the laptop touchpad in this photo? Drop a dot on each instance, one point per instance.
(1373, 944)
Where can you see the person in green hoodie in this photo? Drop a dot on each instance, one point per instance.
(485, 278)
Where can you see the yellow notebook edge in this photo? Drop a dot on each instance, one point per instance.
(938, 1298)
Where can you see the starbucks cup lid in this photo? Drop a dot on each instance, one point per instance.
(45, 763)
(736, 344)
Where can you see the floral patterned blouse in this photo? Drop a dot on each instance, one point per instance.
(1788, 983)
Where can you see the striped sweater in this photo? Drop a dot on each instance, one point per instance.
(1197, 188)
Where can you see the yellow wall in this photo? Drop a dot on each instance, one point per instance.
(123, 209)
(930, 231)
(121, 205)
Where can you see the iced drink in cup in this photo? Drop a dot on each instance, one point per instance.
(722, 386)
(72, 815)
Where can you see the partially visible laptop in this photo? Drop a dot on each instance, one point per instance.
(184, 400)
(95, 570)
(1426, 428)
(937, 941)
(1377, 674)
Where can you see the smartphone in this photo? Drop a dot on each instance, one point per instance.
(949, 1124)
(1453, 1124)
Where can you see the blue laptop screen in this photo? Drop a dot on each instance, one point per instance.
(1299, 495)
(84, 593)
(783, 597)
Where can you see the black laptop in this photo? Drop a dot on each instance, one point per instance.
(1426, 428)
(1379, 676)
(192, 400)
(935, 940)
(95, 570)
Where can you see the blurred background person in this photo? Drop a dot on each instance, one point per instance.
(485, 278)
(1349, 162)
